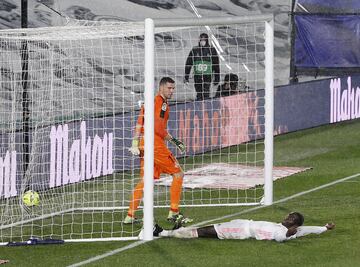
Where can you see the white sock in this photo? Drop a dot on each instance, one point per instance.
(180, 233)
(185, 233)
(165, 233)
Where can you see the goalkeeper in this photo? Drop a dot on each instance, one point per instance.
(290, 228)
(164, 160)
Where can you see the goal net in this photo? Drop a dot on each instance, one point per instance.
(70, 100)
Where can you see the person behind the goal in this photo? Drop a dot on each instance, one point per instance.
(291, 227)
(164, 160)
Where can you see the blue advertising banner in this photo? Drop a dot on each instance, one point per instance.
(306, 105)
(330, 41)
(301, 106)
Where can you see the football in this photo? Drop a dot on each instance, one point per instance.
(31, 198)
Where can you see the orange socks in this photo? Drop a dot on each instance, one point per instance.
(175, 193)
(136, 198)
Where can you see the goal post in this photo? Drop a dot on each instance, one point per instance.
(86, 83)
(269, 111)
(149, 130)
(269, 97)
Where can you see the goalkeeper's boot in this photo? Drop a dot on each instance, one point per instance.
(174, 216)
(131, 220)
(157, 230)
(178, 222)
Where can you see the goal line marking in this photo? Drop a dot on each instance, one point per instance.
(138, 243)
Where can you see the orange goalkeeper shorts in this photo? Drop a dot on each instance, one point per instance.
(163, 163)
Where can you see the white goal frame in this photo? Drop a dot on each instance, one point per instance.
(150, 26)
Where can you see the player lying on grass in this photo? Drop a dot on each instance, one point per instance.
(290, 228)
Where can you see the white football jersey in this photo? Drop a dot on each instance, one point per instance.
(261, 230)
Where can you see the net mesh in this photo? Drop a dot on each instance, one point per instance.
(70, 98)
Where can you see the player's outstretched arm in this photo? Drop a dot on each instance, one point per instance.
(306, 230)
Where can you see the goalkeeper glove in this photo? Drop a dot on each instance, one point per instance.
(180, 145)
(134, 149)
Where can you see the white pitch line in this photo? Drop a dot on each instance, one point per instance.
(108, 254)
(138, 243)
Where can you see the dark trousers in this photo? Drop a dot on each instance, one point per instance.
(202, 86)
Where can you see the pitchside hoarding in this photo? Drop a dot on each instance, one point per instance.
(82, 150)
(305, 105)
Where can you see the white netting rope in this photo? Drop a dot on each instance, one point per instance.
(85, 84)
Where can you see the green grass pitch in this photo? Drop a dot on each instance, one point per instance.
(333, 152)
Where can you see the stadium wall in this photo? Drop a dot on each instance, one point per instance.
(84, 150)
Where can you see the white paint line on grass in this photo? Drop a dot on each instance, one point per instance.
(138, 243)
(108, 254)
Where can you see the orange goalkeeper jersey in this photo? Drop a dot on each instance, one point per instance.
(161, 116)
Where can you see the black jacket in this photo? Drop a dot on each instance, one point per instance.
(206, 55)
